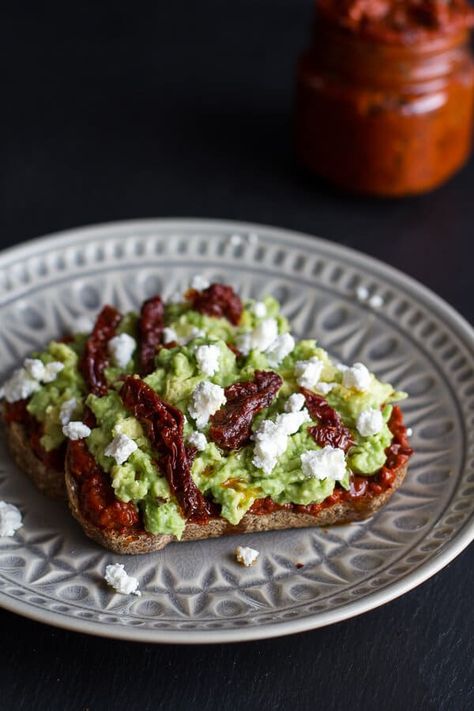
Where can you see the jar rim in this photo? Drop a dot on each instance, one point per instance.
(358, 60)
(410, 30)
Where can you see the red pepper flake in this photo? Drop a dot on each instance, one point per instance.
(231, 425)
(97, 499)
(218, 300)
(96, 358)
(150, 331)
(330, 429)
(163, 425)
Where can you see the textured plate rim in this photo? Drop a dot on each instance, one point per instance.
(440, 558)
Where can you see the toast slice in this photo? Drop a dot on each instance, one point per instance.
(47, 480)
(143, 542)
(240, 362)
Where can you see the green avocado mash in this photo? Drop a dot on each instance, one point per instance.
(233, 479)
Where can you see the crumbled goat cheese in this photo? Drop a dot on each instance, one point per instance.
(120, 448)
(362, 293)
(260, 338)
(19, 386)
(369, 422)
(195, 333)
(279, 349)
(271, 438)
(76, 430)
(324, 388)
(206, 399)
(246, 556)
(10, 519)
(121, 348)
(198, 440)
(308, 372)
(200, 282)
(244, 342)
(295, 402)
(290, 422)
(51, 371)
(26, 380)
(409, 431)
(207, 358)
(66, 411)
(259, 309)
(357, 377)
(169, 335)
(376, 301)
(35, 368)
(83, 324)
(120, 581)
(326, 463)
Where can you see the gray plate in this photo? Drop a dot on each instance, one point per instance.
(195, 592)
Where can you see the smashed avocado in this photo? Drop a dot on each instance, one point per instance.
(233, 479)
(202, 356)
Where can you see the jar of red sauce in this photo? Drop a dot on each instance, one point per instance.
(385, 94)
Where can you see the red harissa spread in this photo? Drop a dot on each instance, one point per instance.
(385, 94)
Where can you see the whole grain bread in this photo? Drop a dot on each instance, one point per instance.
(142, 542)
(49, 481)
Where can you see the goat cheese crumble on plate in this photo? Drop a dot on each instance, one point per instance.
(10, 519)
(118, 579)
(246, 556)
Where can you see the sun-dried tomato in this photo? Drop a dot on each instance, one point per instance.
(231, 425)
(330, 429)
(218, 300)
(150, 331)
(163, 425)
(96, 358)
(97, 500)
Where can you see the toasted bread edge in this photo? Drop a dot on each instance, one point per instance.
(131, 544)
(49, 481)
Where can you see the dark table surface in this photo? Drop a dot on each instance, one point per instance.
(184, 109)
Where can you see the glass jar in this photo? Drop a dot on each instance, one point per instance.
(384, 117)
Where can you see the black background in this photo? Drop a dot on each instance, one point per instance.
(151, 109)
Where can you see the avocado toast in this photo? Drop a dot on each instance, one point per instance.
(209, 418)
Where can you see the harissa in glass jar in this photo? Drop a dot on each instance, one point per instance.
(385, 94)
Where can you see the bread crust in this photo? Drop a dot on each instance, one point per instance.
(49, 481)
(142, 542)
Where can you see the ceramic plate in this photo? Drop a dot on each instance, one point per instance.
(196, 592)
